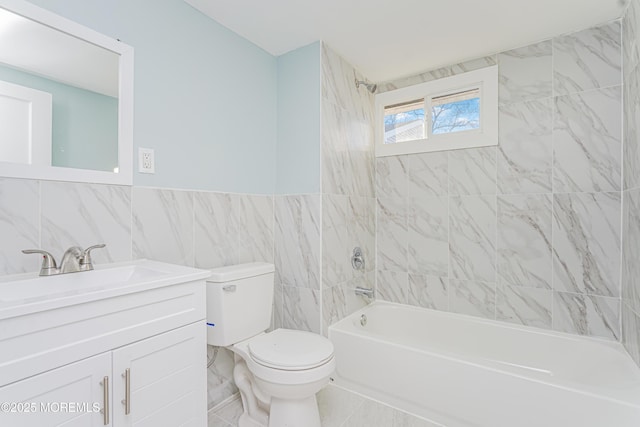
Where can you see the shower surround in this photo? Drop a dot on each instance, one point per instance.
(528, 231)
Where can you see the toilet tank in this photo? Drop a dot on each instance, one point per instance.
(239, 302)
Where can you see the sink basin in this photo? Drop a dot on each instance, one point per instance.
(20, 291)
(86, 281)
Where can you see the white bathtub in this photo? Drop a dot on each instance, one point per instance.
(457, 371)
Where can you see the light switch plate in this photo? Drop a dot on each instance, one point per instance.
(146, 161)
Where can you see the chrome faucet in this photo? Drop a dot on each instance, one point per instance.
(367, 292)
(74, 259)
(71, 260)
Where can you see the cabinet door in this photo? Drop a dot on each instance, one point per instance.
(167, 380)
(72, 395)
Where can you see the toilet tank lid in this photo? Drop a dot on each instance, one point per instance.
(240, 271)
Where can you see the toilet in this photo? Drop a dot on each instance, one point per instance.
(278, 373)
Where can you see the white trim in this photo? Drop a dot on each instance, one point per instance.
(125, 103)
(486, 79)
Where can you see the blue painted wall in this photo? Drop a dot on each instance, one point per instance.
(84, 123)
(298, 153)
(205, 98)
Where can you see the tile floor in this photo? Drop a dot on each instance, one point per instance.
(338, 408)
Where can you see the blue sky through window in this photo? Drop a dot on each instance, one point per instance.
(456, 116)
(404, 122)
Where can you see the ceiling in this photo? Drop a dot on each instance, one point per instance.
(44, 51)
(387, 39)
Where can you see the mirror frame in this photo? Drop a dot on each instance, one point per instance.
(125, 103)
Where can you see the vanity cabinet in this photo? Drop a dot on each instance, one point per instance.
(36, 401)
(165, 387)
(140, 356)
(167, 380)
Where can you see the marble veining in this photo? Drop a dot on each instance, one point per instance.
(19, 225)
(428, 235)
(630, 27)
(255, 235)
(297, 240)
(393, 286)
(631, 146)
(336, 221)
(524, 306)
(631, 181)
(428, 174)
(339, 301)
(524, 240)
(525, 73)
(473, 298)
(472, 171)
(630, 336)
(347, 130)
(429, 292)
(587, 141)
(535, 216)
(472, 238)
(587, 59)
(336, 405)
(338, 85)
(586, 315)
(391, 176)
(278, 306)
(336, 174)
(163, 225)
(525, 150)
(392, 235)
(631, 249)
(216, 229)
(336, 256)
(78, 214)
(586, 243)
(301, 309)
(362, 228)
(220, 385)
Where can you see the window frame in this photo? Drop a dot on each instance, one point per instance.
(484, 79)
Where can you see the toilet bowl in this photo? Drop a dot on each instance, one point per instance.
(278, 373)
(288, 367)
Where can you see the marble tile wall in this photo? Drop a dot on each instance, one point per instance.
(527, 232)
(631, 183)
(200, 229)
(297, 259)
(348, 203)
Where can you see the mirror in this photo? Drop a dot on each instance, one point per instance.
(66, 98)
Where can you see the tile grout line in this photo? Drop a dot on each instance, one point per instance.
(495, 255)
(553, 198)
(622, 204)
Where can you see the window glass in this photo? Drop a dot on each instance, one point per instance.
(455, 112)
(404, 122)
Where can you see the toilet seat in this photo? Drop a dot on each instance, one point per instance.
(290, 350)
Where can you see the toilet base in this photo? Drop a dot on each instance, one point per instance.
(294, 413)
(246, 421)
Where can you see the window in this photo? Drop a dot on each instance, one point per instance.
(445, 114)
(404, 122)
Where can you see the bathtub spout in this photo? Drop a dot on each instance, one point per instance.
(367, 292)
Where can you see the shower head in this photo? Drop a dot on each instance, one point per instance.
(371, 87)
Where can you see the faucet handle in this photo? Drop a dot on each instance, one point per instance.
(85, 260)
(49, 265)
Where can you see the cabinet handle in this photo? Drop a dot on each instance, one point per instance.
(127, 391)
(105, 400)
